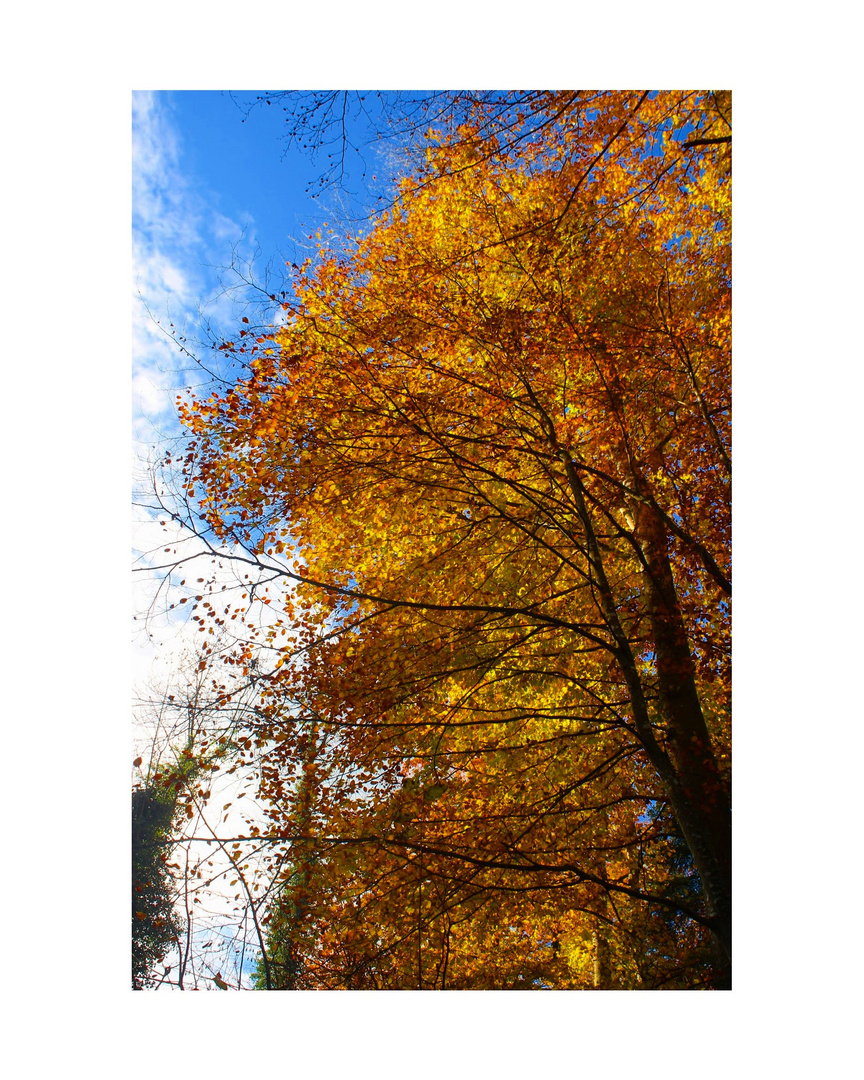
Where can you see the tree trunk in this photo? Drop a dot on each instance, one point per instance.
(699, 798)
(601, 957)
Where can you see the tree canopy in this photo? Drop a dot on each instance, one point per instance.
(482, 470)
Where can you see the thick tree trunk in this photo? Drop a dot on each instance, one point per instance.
(699, 798)
(688, 769)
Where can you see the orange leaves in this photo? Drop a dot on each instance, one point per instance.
(483, 447)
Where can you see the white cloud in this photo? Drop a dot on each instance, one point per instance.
(177, 238)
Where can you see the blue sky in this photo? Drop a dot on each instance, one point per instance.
(206, 188)
(217, 193)
(236, 146)
(215, 182)
(241, 164)
(203, 185)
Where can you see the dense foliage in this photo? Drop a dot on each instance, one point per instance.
(482, 474)
(155, 924)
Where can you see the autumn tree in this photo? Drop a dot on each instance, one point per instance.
(481, 473)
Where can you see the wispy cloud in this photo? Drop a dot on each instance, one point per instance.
(178, 237)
